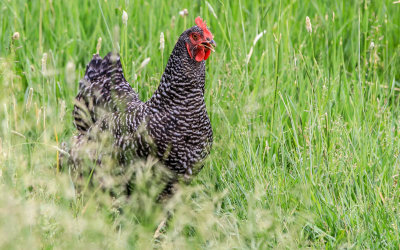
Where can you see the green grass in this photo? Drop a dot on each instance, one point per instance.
(306, 133)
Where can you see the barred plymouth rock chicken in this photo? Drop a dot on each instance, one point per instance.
(172, 125)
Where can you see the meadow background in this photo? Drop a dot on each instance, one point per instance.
(306, 124)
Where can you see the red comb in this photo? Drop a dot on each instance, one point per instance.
(199, 22)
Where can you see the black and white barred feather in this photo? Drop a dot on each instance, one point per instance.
(172, 125)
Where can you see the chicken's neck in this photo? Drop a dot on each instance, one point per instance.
(182, 83)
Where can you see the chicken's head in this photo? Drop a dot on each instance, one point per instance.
(199, 41)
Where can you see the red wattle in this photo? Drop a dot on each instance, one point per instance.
(200, 55)
(207, 54)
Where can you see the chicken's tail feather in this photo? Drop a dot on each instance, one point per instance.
(109, 66)
(103, 88)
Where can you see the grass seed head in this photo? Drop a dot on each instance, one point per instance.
(62, 110)
(183, 13)
(15, 36)
(371, 45)
(308, 25)
(98, 46)
(124, 18)
(44, 60)
(173, 18)
(162, 41)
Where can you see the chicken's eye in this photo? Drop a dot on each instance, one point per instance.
(195, 37)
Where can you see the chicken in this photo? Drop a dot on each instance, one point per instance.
(172, 126)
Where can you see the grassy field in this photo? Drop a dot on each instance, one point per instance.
(306, 124)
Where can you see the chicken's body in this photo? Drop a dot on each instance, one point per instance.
(173, 125)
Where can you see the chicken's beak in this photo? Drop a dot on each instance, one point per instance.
(213, 43)
(209, 45)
